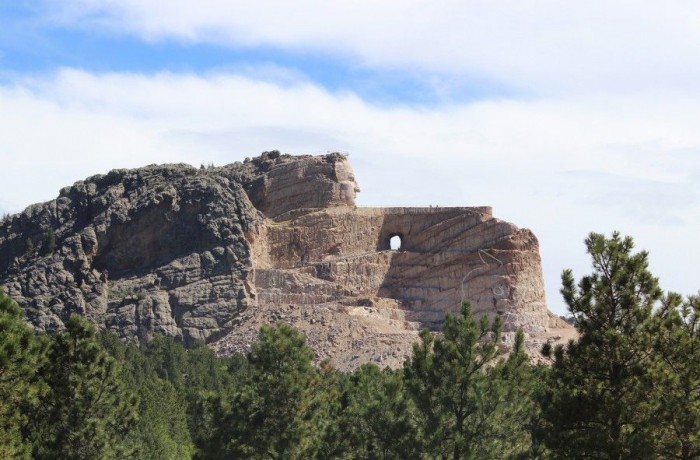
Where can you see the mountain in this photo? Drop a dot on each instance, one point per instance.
(212, 253)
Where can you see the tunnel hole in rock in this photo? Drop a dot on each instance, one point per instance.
(395, 242)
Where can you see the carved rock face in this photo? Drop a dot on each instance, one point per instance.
(347, 192)
(211, 254)
(348, 187)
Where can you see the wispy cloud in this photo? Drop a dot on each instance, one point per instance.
(565, 117)
(654, 202)
(539, 46)
(635, 156)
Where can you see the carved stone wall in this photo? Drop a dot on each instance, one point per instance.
(212, 253)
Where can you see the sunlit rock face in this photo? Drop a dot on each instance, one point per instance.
(212, 253)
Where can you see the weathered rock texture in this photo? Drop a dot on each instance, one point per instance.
(211, 254)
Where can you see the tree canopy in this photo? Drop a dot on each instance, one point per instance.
(622, 391)
(628, 388)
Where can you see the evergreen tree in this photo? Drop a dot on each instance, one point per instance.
(21, 355)
(276, 411)
(515, 413)
(168, 359)
(596, 401)
(207, 376)
(87, 411)
(334, 437)
(161, 432)
(29, 246)
(204, 402)
(469, 405)
(49, 245)
(676, 377)
(379, 418)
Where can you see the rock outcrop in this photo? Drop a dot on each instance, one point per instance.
(212, 253)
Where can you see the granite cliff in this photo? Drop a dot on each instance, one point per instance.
(212, 253)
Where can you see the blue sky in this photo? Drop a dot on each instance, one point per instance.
(566, 118)
(30, 45)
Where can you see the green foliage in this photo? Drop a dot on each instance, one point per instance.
(207, 378)
(21, 354)
(272, 403)
(168, 359)
(87, 411)
(379, 418)
(28, 246)
(161, 432)
(676, 377)
(469, 405)
(119, 294)
(597, 403)
(166, 375)
(276, 411)
(49, 245)
(629, 388)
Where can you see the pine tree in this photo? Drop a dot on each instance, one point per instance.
(470, 406)
(276, 412)
(596, 400)
(49, 245)
(87, 411)
(28, 246)
(207, 376)
(676, 377)
(376, 417)
(21, 355)
(168, 360)
(161, 431)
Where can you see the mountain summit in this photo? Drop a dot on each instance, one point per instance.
(212, 253)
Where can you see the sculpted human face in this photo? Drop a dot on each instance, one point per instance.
(346, 180)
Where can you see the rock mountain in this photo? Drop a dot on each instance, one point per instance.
(212, 253)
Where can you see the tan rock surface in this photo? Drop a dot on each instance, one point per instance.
(213, 253)
(330, 272)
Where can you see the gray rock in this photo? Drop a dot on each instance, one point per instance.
(211, 254)
(156, 249)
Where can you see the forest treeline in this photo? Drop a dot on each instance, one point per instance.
(629, 388)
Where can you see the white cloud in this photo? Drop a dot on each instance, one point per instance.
(562, 167)
(538, 46)
(604, 134)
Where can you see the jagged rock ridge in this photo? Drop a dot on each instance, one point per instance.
(212, 253)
